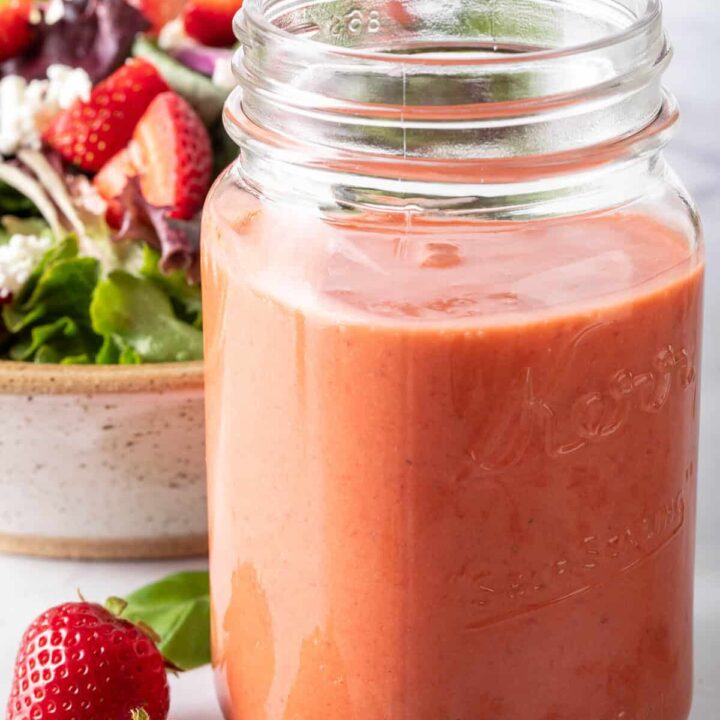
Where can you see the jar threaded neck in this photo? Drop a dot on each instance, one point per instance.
(417, 85)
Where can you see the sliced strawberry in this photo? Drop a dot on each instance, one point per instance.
(210, 21)
(111, 181)
(170, 152)
(113, 177)
(159, 12)
(173, 156)
(15, 28)
(89, 133)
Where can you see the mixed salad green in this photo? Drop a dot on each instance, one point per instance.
(100, 266)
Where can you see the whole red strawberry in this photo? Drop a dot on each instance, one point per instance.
(210, 21)
(15, 28)
(89, 133)
(80, 662)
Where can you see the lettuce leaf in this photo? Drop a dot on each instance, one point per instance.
(139, 318)
(61, 341)
(49, 319)
(69, 312)
(96, 35)
(63, 288)
(186, 298)
(112, 354)
(65, 249)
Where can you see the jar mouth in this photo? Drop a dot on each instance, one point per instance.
(263, 16)
(461, 80)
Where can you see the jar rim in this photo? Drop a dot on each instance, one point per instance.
(253, 13)
(490, 100)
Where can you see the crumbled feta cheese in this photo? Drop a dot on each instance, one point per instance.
(67, 85)
(18, 258)
(223, 74)
(17, 116)
(54, 12)
(172, 35)
(27, 108)
(35, 17)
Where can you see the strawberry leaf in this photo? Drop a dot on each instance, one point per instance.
(178, 610)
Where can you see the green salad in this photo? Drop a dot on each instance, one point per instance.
(110, 137)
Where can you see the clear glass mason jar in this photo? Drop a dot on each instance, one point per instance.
(453, 300)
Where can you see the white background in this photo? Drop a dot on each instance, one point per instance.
(694, 77)
(31, 586)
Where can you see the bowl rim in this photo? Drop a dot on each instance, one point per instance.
(22, 378)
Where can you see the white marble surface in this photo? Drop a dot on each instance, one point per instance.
(31, 586)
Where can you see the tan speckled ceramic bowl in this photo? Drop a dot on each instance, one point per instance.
(102, 462)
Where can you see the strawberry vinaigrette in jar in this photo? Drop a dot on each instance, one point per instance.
(453, 299)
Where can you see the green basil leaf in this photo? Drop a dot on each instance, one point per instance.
(178, 610)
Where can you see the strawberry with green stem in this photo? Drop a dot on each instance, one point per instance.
(89, 662)
(81, 660)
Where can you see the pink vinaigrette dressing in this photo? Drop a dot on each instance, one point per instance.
(451, 455)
